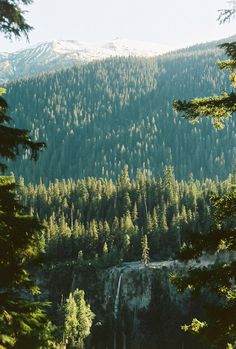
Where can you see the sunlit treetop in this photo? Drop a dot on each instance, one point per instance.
(13, 139)
(217, 107)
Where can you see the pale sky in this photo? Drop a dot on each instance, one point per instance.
(175, 23)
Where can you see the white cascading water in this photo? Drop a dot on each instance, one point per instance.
(117, 299)
(116, 307)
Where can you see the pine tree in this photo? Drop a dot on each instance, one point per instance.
(135, 213)
(22, 321)
(71, 321)
(163, 223)
(12, 139)
(145, 251)
(219, 107)
(219, 330)
(105, 249)
(12, 20)
(85, 317)
(78, 320)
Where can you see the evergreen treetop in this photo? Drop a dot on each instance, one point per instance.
(12, 20)
(217, 107)
(218, 329)
(13, 139)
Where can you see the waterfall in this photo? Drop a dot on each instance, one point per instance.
(116, 309)
(117, 299)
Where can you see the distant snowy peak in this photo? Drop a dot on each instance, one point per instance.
(116, 47)
(135, 48)
(86, 52)
(58, 54)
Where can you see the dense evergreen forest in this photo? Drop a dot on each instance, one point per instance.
(90, 218)
(119, 111)
(92, 224)
(128, 207)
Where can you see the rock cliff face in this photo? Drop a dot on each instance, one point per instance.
(137, 307)
(136, 286)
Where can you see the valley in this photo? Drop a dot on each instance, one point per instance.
(129, 200)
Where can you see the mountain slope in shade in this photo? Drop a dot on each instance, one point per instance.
(108, 113)
(51, 56)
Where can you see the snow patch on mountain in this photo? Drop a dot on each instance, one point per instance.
(116, 47)
(58, 54)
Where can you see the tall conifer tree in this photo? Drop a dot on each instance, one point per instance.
(219, 328)
(145, 251)
(22, 320)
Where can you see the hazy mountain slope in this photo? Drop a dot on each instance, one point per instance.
(105, 114)
(59, 54)
(51, 56)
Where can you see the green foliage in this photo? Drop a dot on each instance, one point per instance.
(218, 278)
(119, 111)
(12, 20)
(145, 250)
(162, 208)
(217, 107)
(22, 320)
(71, 321)
(195, 326)
(78, 319)
(13, 139)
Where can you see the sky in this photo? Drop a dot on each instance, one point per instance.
(174, 23)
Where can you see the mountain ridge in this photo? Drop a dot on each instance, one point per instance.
(119, 111)
(58, 54)
(51, 56)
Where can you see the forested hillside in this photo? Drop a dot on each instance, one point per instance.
(130, 205)
(92, 224)
(119, 111)
(92, 218)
